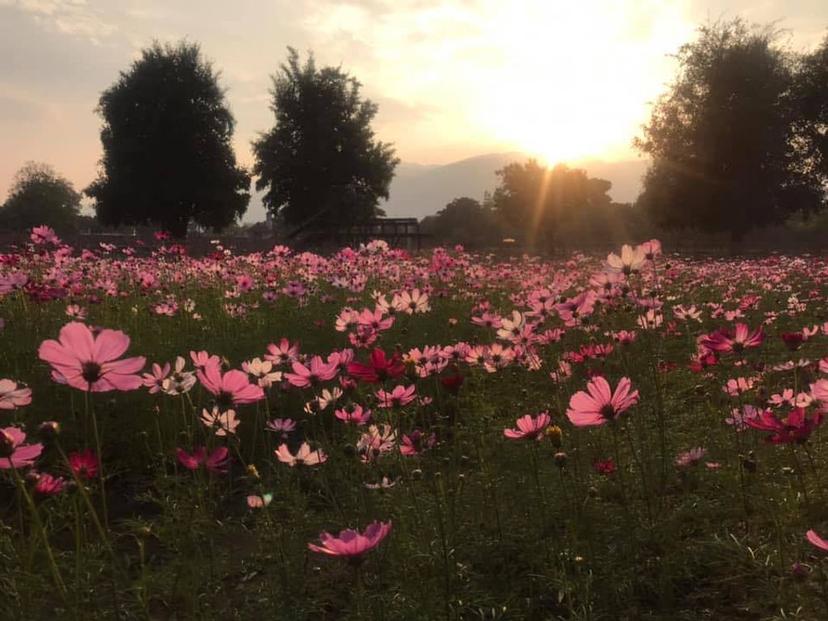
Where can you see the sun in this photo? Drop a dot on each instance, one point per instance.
(570, 81)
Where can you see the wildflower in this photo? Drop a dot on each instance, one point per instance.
(90, 362)
(385, 483)
(381, 367)
(283, 426)
(262, 371)
(723, 341)
(259, 502)
(216, 462)
(375, 441)
(75, 312)
(629, 262)
(232, 387)
(416, 442)
(13, 396)
(600, 404)
(224, 423)
(13, 452)
(357, 415)
(604, 466)
(282, 353)
(48, 485)
(179, 381)
(795, 428)
(399, 397)
(816, 540)
(155, 380)
(201, 359)
(691, 457)
(352, 544)
(529, 427)
(84, 464)
(304, 456)
(793, 340)
(316, 371)
(410, 303)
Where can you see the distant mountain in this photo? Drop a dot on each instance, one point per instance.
(420, 190)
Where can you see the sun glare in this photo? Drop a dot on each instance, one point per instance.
(572, 80)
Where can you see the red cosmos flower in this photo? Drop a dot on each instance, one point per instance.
(795, 428)
(793, 340)
(47, 485)
(84, 464)
(352, 544)
(529, 427)
(600, 404)
(452, 382)
(216, 462)
(605, 466)
(380, 368)
(13, 452)
(232, 388)
(723, 341)
(89, 361)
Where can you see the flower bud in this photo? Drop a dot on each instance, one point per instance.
(253, 472)
(560, 459)
(554, 433)
(49, 429)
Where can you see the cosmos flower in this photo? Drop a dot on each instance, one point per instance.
(89, 361)
(352, 544)
(14, 453)
(216, 462)
(304, 456)
(13, 396)
(599, 404)
(529, 427)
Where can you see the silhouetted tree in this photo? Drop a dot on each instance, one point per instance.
(464, 221)
(811, 100)
(39, 195)
(166, 137)
(540, 203)
(722, 138)
(320, 162)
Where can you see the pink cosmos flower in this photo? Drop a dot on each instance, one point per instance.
(352, 544)
(155, 380)
(47, 485)
(380, 368)
(216, 462)
(397, 398)
(12, 396)
(629, 262)
(223, 423)
(283, 426)
(44, 235)
(600, 405)
(282, 353)
(819, 391)
(89, 361)
(529, 427)
(723, 341)
(304, 456)
(816, 540)
(357, 415)
(201, 359)
(315, 372)
(231, 388)
(13, 452)
(416, 442)
(691, 457)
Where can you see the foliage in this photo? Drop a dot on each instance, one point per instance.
(39, 195)
(463, 221)
(168, 158)
(320, 162)
(723, 138)
(544, 205)
(811, 99)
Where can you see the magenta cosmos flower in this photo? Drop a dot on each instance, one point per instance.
(724, 341)
(89, 361)
(352, 544)
(216, 462)
(231, 388)
(13, 452)
(600, 404)
(529, 427)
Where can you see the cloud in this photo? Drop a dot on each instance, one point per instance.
(73, 17)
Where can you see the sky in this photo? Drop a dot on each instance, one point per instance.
(560, 79)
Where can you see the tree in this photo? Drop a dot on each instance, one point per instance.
(811, 100)
(464, 220)
(541, 204)
(166, 138)
(39, 195)
(320, 162)
(723, 138)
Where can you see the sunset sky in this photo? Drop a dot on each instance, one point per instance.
(453, 79)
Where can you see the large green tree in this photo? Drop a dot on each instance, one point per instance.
(723, 138)
(168, 158)
(320, 163)
(464, 220)
(39, 195)
(811, 100)
(542, 204)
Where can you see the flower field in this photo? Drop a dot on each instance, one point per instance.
(378, 435)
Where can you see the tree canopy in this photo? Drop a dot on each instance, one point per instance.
(168, 158)
(320, 162)
(723, 138)
(39, 195)
(464, 220)
(541, 204)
